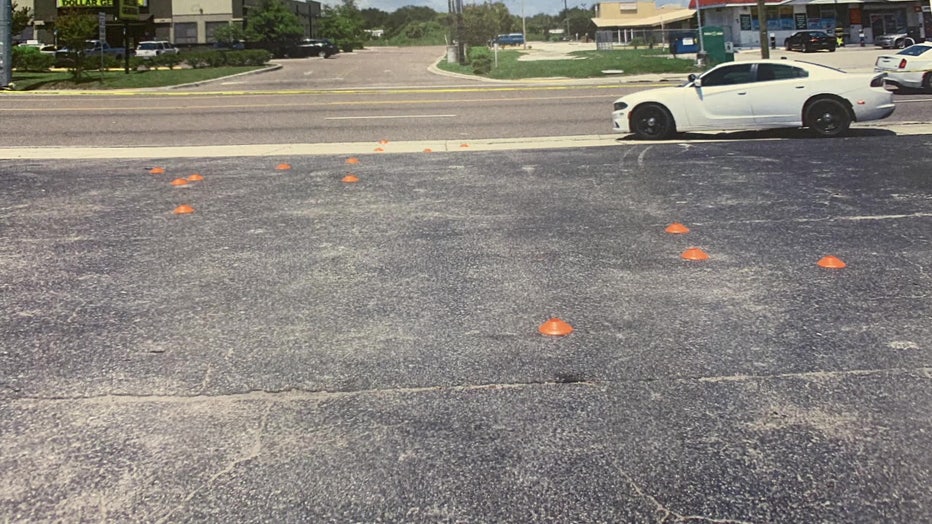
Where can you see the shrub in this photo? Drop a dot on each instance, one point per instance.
(30, 59)
(480, 59)
(170, 61)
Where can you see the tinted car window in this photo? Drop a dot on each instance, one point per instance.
(729, 75)
(767, 72)
(915, 50)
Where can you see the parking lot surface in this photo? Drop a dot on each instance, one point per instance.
(304, 348)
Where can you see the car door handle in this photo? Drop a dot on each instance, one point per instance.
(800, 87)
(742, 93)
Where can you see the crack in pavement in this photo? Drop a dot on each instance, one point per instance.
(667, 512)
(297, 394)
(247, 455)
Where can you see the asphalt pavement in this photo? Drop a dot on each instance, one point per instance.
(305, 349)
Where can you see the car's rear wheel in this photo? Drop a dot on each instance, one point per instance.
(652, 122)
(827, 117)
(927, 81)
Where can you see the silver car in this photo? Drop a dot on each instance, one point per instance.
(897, 40)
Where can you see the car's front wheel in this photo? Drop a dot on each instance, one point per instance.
(827, 117)
(652, 122)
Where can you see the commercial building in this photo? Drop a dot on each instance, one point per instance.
(740, 20)
(182, 22)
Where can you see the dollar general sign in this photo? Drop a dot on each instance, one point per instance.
(85, 3)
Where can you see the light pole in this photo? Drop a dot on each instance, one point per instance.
(6, 43)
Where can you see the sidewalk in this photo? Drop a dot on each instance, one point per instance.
(849, 59)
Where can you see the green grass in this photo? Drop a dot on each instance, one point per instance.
(117, 79)
(584, 64)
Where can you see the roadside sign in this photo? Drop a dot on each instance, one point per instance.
(129, 10)
(102, 26)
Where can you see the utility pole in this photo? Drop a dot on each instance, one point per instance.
(762, 20)
(6, 43)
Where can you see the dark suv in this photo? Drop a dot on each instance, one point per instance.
(314, 47)
(809, 41)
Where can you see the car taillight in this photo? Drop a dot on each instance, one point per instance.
(902, 64)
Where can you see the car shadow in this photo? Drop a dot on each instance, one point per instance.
(770, 134)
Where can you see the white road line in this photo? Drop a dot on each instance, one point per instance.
(386, 117)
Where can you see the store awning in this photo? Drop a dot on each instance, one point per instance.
(652, 21)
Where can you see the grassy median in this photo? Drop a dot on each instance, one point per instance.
(581, 64)
(118, 79)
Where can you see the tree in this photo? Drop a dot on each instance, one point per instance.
(22, 17)
(374, 18)
(273, 26)
(344, 24)
(229, 35)
(481, 22)
(74, 27)
(580, 21)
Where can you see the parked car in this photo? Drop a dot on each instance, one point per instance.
(64, 56)
(235, 45)
(911, 68)
(758, 94)
(809, 41)
(314, 47)
(45, 49)
(898, 40)
(152, 48)
(509, 39)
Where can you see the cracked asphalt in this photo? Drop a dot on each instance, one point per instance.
(301, 349)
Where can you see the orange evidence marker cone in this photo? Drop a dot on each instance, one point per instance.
(464, 145)
(184, 209)
(195, 178)
(157, 170)
(180, 182)
(383, 141)
(352, 160)
(350, 179)
(379, 150)
(676, 229)
(428, 150)
(283, 167)
(555, 328)
(694, 253)
(831, 262)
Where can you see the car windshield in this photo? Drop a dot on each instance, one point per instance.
(915, 50)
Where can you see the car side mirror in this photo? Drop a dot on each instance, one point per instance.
(697, 82)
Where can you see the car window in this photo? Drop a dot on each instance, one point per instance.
(915, 50)
(728, 75)
(767, 72)
(146, 46)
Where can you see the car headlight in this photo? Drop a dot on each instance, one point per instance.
(619, 106)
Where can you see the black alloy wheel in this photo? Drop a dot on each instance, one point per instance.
(652, 122)
(827, 117)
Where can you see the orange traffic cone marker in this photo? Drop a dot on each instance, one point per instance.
(555, 328)
(694, 253)
(283, 167)
(350, 179)
(676, 229)
(831, 262)
(383, 141)
(179, 182)
(352, 160)
(428, 150)
(464, 145)
(379, 150)
(184, 209)
(157, 170)
(195, 178)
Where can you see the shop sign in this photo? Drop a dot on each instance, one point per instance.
(85, 3)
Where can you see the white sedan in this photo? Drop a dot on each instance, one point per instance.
(759, 94)
(910, 68)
